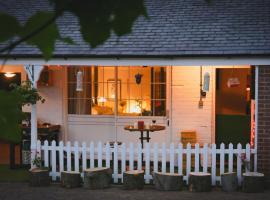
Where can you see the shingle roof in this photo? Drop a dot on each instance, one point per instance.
(175, 28)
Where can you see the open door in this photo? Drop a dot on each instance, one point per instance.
(234, 94)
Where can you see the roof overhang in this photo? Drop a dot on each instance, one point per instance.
(138, 61)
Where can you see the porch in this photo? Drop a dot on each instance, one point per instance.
(173, 96)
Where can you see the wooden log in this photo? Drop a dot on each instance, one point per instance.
(253, 182)
(39, 177)
(168, 181)
(70, 179)
(199, 182)
(229, 182)
(133, 179)
(97, 178)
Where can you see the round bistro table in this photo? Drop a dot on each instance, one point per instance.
(145, 132)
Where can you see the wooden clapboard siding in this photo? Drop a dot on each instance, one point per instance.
(185, 112)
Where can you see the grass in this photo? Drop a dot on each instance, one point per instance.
(13, 175)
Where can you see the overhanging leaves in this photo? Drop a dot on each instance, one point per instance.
(9, 27)
(45, 39)
(10, 117)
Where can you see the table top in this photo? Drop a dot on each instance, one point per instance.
(151, 128)
(43, 128)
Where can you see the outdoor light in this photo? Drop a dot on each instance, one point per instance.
(79, 86)
(206, 82)
(9, 74)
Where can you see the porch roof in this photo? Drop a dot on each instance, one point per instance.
(176, 28)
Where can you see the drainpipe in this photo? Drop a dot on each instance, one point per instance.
(256, 115)
(33, 73)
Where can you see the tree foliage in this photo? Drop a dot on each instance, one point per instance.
(97, 19)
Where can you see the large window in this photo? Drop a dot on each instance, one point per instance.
(135, 90)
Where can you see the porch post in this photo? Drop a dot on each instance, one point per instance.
(33, 73)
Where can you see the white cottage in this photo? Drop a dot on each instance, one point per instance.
(191, 68)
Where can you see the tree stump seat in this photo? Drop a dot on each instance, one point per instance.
(97, 178)
(199, 182)
(39, 177)
(253, 182)
(168, 181)
(133, 179)
(70, 179)
(229, 182)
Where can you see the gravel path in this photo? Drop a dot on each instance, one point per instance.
(21, 191)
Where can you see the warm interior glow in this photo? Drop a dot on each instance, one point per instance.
(9, 74)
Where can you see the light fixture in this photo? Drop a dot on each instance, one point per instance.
(9, 74)
(79, 77)
(206, 82)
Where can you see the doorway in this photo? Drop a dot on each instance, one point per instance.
(234, 97)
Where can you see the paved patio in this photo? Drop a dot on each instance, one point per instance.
(21, 191)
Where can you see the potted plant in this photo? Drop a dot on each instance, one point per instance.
(39, 175)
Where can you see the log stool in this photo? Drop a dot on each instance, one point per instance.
(97, 178)
(253, 182)
(70, 179)
(199, 182)
(133, 179)
(39, 177)
(229, 182)
(168, 181)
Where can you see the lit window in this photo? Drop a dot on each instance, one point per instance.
(140, 91)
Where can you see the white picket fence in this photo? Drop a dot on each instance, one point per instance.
(153, 158)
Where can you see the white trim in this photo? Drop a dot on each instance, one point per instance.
(190, 61)
(256, 114)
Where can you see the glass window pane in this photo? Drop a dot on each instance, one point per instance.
(159, 107)
(159, 91)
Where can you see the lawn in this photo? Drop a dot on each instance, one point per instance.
(13, 175)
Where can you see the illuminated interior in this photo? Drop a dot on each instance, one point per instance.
(141, 90)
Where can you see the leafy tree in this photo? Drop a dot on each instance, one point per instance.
(97, 19)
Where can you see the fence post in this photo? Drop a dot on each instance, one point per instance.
(100, 154)
(84, 160)
(205, 157)
(139, 167)
(46, 154)
(248, 168)
(222, 157)
(131, 156)
(214, 164)
(197, 155)
(115, 163)
(61, 157)
(53, 159)
(155, 157)
(68, 157)
(108, 154)
(230, 158)
(239, 163)
(171, 158)
(123, 162)
(163, 159)
(147, 163)
(92, 155)
(188, 156)
(180, 159)
(76, 156)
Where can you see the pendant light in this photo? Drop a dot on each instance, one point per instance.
(79, 80)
